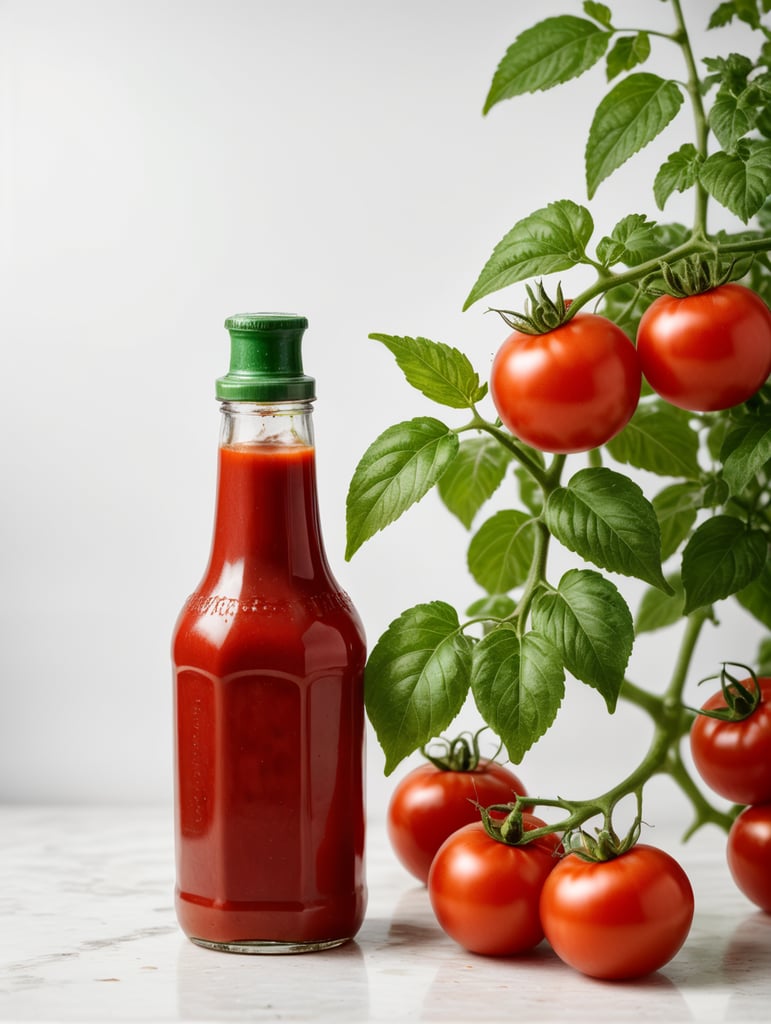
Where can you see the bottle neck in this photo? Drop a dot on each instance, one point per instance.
(267, 524)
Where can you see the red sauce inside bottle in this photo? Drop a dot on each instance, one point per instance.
(269, 659)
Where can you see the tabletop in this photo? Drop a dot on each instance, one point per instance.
(88, 933)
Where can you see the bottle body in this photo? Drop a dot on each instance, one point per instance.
(268, 658)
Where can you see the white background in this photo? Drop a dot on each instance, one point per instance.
(165, 164)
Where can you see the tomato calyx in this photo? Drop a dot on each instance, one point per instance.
(543, 313)
(741, 700)
(691, 276)
(604, 845)
(458, 755)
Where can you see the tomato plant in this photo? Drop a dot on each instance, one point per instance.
(731, 745)
(619, 918)
(569, 389)
(676, 500)
(749, 854)
(435, 799)
(707, 351)
(485, 892)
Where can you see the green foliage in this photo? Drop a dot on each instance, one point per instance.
(703, 535)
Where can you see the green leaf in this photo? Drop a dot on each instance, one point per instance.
(678, 173)
(604, 517)
(442, 373)
(675, 509)
(731, 117)
(721, 558)
(659, 439)
(473, 477)
(746, 450)
(740, 181)
(417, 679)
(492, 606)
(627, 53)
(548, 54)
(632, 114)
(632, 241)
(657, 610)
(756, 596)
(590, 625)
(763, 659)
(501, 551)
(548, 240)
(600, 12)
(518, 686)
(396, 471)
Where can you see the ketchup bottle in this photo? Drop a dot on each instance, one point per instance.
(268, 657)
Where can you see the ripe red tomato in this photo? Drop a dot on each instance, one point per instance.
(620, 918)
(485, 892)
(749, 854)
(708, 351)
(570, 389)
(429, 804)
(734, 758)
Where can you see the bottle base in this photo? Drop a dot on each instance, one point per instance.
(263, 947)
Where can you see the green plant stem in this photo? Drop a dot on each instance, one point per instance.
(511, 444)
(700, 121)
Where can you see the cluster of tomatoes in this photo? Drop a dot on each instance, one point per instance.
(731, 748)
(575, 387)
(622, 917)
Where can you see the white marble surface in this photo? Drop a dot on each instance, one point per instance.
(88, 933)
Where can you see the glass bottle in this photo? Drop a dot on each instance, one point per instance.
(268, 657)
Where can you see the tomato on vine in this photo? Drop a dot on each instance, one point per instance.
(618, 918)
(439, 797)
(485, 892)
(569, 389)
(731, 740)
(749, 854)
(708, 351)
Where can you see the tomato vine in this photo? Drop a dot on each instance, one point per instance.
(702, 538)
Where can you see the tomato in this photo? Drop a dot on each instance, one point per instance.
(749, 854)
(708, 351)
(485, 892)
(619, 918)
(430, 803)
(570, 389)
(734, 758)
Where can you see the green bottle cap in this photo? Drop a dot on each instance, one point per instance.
(265, 359)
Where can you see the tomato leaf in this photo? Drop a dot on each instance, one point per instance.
(676, 507)
(548, 54)
(590, 625)
(417, 679)
(473, 477)
(604, 517)
(678, 173)
(518, 686)
(756, 597)
(721, 558)
(732, 117)
(740, 181)
(550, 239)
(501, 551)
(633, 240)
(657, 610)
(627, 53)
(443, 374)
(492, 606)
(746, 450)
(632, 114)
(397, 470)
(658, 438)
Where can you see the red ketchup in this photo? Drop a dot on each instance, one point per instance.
(268, 660)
